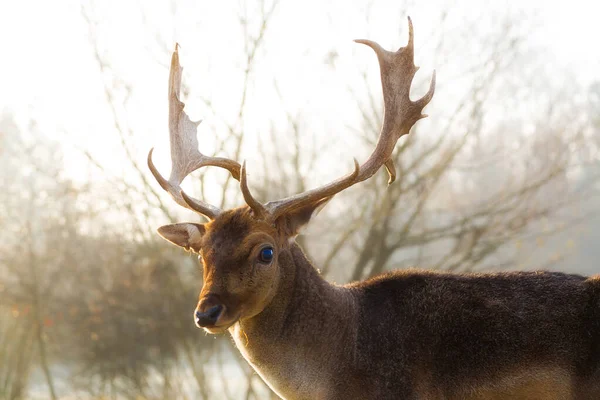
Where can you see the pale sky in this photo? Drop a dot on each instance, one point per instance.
(49, 73)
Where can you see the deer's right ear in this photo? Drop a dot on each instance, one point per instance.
(187, 235)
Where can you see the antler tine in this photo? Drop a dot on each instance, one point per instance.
(179, 196)
(185, 156)
(258, 209)
(400, 114)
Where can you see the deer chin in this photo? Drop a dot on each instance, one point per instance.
(222, 327)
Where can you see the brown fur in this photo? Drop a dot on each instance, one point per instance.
(404, 335)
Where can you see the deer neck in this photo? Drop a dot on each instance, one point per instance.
(304, 334)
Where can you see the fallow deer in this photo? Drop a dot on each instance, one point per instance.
(407, 334)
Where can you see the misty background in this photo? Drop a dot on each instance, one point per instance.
(503, 175)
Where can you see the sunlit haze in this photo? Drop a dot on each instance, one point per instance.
(50, 74)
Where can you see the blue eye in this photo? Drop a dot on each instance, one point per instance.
(266, 255)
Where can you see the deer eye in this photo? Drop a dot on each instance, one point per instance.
(266, 255)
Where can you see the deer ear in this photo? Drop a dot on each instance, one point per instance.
(186, 235)
(292, 222)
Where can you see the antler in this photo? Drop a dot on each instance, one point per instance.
(185, 156)
(400, 114)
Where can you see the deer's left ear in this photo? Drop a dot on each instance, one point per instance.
(292, 222)
(187, 235)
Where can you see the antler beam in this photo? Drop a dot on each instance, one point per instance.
(185, 156)
(400, 114)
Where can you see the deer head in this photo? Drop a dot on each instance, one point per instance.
(243, 250)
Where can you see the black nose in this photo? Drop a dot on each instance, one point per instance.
(208, 317)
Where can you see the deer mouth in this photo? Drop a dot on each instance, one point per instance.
(222, 327)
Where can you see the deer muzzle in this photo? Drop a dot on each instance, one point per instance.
(208, 312)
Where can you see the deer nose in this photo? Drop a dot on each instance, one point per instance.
(209, 317)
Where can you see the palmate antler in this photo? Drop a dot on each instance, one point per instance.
(185, 156)
(400, 114)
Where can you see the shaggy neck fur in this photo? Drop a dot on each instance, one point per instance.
(299, 341)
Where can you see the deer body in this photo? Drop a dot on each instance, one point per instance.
(425, 335)
(404, 335)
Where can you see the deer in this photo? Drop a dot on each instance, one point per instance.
(406, 334)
